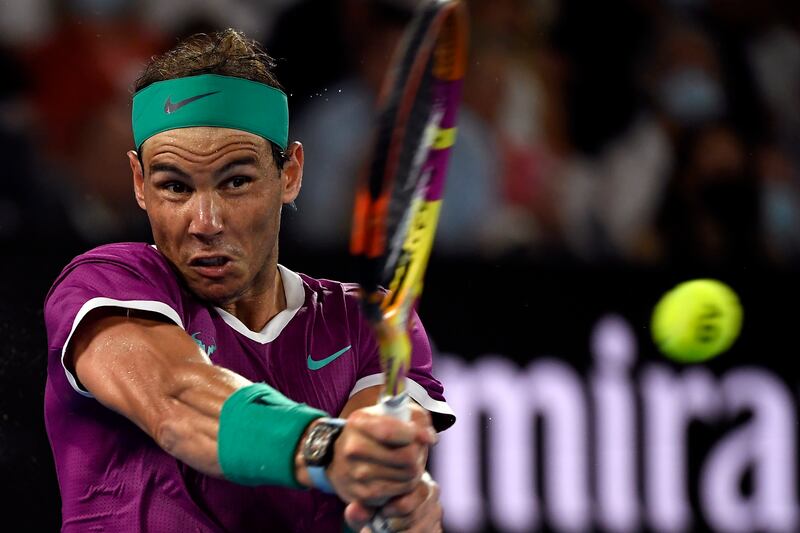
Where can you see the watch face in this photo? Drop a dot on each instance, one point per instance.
(317, 447)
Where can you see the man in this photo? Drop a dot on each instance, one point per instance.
(162, 403)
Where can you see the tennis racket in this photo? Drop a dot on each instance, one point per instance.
(398, 200)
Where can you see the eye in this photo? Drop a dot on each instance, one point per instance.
(175, 187)
(238, 182)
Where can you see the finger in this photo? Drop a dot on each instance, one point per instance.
(410, 510)
(383, 429)
(357, 515)
(407, 504)
(364, 472)
(362, 469)
(421, 418)
(358, 448)
(377, 493)
(429, 522)
(420, 415)
(426, 521)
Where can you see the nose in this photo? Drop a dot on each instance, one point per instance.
(206, 213)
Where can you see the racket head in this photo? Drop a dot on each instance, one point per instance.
(397, 200)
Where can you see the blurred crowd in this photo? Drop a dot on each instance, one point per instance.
(643, 132)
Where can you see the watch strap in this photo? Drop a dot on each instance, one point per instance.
(317, 472)
(319, 479)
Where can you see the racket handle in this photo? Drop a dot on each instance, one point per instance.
(379, 524)
(396, 407)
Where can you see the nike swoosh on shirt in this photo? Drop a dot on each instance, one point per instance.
(316, 365)
(169, 107)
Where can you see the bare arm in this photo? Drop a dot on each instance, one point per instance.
(153, 373)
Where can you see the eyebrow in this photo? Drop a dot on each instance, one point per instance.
(167, 167)
(242, 161)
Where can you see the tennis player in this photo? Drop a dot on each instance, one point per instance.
(192, 384)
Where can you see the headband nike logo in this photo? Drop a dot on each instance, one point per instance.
(169, 107)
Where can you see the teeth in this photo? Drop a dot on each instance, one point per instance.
(211, 261)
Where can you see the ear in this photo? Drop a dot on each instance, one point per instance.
(138, 177)
(292, 174)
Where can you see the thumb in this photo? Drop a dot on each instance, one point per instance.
(358, 515)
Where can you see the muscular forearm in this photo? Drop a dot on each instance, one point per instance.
(188, 428)
(154, 374)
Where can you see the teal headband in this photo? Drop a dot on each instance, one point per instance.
(211, 100)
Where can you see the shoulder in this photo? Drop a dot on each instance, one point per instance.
(133, 256)
(117, 264)
(326, 289)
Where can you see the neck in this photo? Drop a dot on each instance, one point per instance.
(255, 310)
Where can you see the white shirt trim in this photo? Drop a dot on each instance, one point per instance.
(415, 390)
(295, 296)
(95, 303)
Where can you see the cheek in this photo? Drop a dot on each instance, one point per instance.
(165, 223)
(264, 213)
(264, 226)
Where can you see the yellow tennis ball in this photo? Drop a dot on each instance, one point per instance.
(696, 320)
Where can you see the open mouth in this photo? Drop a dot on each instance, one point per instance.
(215, 261)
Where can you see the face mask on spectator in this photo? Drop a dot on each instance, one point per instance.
(691, 96)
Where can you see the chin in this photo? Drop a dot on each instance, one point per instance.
(216, 295)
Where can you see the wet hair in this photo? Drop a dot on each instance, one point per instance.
(226, 53)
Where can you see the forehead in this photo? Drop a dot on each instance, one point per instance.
(204, 143)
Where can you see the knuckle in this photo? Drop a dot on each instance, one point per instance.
(404, 506)
(360, 473)
(373, 492)
(407, 486)
(352, 449)
(357, 418)
(384, 490)
(400, 524)
(386, 429)
(363, 492)
(408, 456)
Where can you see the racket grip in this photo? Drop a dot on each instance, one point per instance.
(396, 407)
(379, 524)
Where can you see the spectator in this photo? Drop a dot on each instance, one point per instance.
(81, 76)
(710, 214)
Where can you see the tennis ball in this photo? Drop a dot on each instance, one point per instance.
(696, 320)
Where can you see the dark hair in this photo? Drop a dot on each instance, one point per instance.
(227, 53)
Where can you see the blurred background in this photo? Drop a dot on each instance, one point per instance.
(606, 151)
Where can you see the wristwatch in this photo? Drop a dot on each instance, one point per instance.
(317, 451)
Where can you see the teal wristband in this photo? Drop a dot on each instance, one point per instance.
(259, 429)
